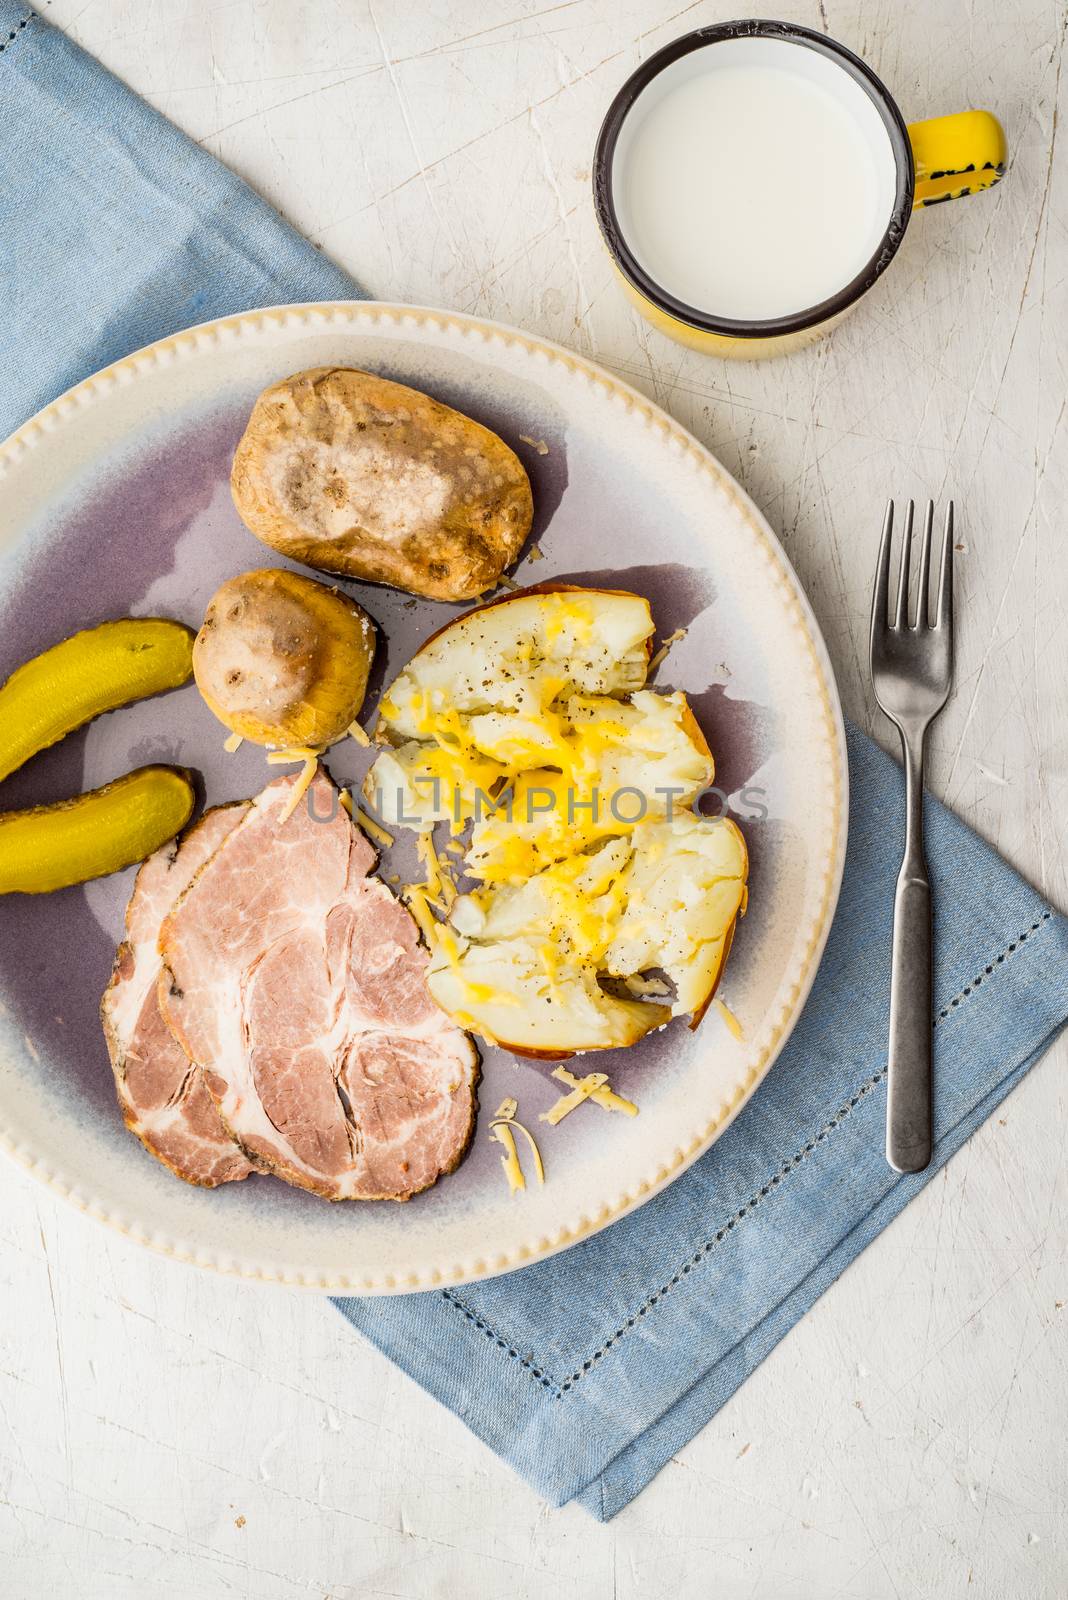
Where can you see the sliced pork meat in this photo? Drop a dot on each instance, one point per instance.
(163, 1097)
(297, 982)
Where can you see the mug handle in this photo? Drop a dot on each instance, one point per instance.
(956, 155)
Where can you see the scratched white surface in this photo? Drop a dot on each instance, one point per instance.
(164, 1433)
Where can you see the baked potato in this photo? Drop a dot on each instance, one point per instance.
(282, 660)
(355, 475)
(595, 872)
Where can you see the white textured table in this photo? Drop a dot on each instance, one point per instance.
(169, 1434)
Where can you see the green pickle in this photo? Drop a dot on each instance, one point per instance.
(52, 847)
(92, 672)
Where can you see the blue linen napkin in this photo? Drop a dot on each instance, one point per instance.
(588, 1371)
(116, 228)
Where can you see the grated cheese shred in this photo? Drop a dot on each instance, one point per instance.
(415, 899)
(439, 882)
(602, 1095)
(374, 830)
(733, 1025)
(291, 756)
(665, 647)
(583, 1089)
(539, 1166)
(502, 1133)
(233, 744)
(301, 786)
(503, 1130)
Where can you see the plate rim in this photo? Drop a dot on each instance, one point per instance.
(523, 1253)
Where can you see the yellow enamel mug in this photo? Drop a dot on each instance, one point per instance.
(753, 179)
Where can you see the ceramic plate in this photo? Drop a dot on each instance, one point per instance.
(116, 501)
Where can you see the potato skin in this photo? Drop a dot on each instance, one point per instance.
(283, 660)
(359, 476)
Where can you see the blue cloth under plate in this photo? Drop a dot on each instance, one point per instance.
(116, 229)
(588, 1371)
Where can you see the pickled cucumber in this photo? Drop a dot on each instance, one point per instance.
(92, 672)
(51, 847)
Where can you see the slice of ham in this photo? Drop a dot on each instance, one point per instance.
(162, 1094)
(297, 981)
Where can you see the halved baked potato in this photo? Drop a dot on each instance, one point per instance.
(359, 476)
(529, 718)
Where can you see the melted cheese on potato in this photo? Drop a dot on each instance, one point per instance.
(530, 720)
(505, 656)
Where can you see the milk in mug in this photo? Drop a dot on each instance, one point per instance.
(753, 180)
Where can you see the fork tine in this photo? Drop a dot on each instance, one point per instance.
(902, 618)
(923, 607)
(945, 581)
(882, 575)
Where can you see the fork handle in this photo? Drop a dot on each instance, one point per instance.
(908, 1086)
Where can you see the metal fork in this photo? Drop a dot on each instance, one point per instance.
(912, 672)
